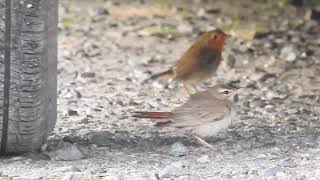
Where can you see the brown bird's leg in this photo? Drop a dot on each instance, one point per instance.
(202, 141)
(191, 89)
(195, 88)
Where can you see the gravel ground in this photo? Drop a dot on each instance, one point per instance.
(104, 55)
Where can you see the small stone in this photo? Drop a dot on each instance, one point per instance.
(203, 159)
(178, 164)
(72, 176)
(98, 10)
(289, 53)
(101, 139)
(275, 171)
(72, 112)
(315, 14)
(78, 94)
(88, 74)
(201, 13)
(5, 178)
(112, 177)
(64, 169)
(18, 158)
(173, 169)
(44, 148)
(158, 85)
(141, 75)
(178, 149)
(185, 28)
(84, 121)
(231, 61)
(256, 76)
(26, 178)
(69, 152)
(83, 132)
(274, 94)
(261, 156)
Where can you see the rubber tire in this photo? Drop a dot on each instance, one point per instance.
(28, 74)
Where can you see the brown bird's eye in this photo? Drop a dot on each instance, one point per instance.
(226, 92)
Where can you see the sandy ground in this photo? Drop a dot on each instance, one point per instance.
(105, 52)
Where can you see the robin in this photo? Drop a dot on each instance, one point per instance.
(200, 61)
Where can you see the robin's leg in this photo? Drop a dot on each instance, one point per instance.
(202, 141)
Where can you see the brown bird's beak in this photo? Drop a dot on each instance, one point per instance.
(233, 87)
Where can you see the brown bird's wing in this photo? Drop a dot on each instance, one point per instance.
(200, 109)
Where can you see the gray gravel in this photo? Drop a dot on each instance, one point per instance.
(104, 56)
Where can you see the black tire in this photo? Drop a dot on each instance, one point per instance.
(28, 73)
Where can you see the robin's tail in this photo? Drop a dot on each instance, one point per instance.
(156, 76)
(152, 115)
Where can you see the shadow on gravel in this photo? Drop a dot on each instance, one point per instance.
(240, 138)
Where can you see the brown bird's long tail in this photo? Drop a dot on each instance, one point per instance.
(161, 118)
(152, 115)
(156, 76)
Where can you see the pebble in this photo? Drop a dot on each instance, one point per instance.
(274, 94)
(158, 85)
(83, 132)
(315, 14)
(88, 74)
(69, 152)
(5, 178)
(99, 10)
(185, 28)
(18, 158)
(72, 176)
(178, 149)
(261, 156)
(289, 53)
(231, 61)
(203, 159)
(72, 112)
(26, 178)
(66, 169)
(173, 169)
(275, 171)
(140, 75)
(112, 177)
(100, 138)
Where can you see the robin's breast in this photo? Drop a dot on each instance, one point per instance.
(196, 75)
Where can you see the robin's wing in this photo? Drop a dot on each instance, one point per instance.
(187, 62)
(199, 58)
(200, 109)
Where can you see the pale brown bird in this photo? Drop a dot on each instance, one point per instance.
(205, 114)
(200, 61)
